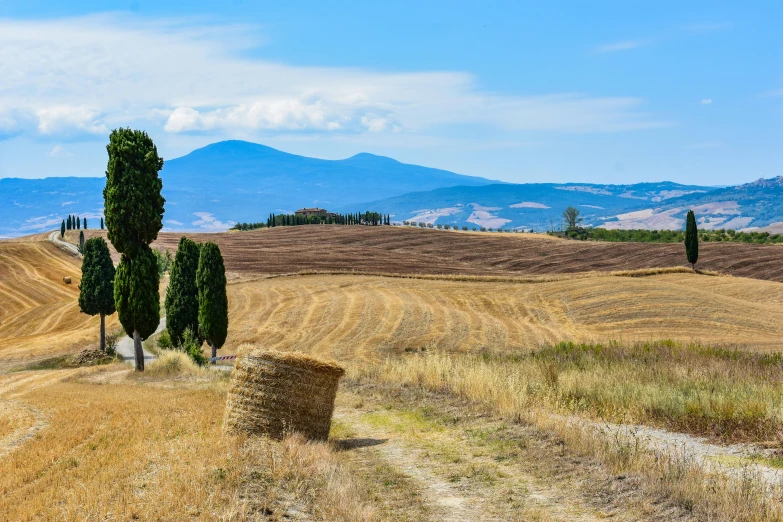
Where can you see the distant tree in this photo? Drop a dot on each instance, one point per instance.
(81, 242)
(62, 229)
(101, 223)
(182, 294)
(68, 223)
(96, 293)
(134, 215)
(571, 217)
(85, 224)
(78, 223)
(212, 299)
(691, 239)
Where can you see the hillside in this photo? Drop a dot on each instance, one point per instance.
(651, 206)
(226, 182)
(37, 305)
(408, 250)
(537, 206)
(365, 319)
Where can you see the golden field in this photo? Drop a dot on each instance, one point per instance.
(37, 305)
(368, 317)
(435, 363)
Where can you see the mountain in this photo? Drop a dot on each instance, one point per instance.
(230, 181)
(756, 205)
(235, 181)
(536, 206)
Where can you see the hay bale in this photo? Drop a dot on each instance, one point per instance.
(276, 393)
(67, 280)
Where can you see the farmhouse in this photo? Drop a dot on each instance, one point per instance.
(307, 212)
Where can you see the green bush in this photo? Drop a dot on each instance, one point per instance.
(191, 345)
(164, 341)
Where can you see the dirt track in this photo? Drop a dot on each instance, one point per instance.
(409, 250)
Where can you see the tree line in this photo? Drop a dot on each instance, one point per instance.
(290, 220)
(134, 215)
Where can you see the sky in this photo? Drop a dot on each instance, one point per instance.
(601, 92)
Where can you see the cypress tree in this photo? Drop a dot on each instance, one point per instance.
(78, 223)
(81, 242)
(68, 224)
(182, 294)
(62, 229)
(96, 293)
(85, 224)
(101, 223)
(134, 215)
(691, 239)
(212, 299)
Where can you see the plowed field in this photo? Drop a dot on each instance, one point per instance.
(408, 250)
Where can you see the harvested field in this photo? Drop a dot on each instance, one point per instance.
(39, 316)
(414, 251)
(369, 317)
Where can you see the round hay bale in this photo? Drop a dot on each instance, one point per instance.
(67, 280)
(276, 393)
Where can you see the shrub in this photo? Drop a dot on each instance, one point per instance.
(164, 341)
(466, 229)
(111, 342)
(441, 226)
(191, 345)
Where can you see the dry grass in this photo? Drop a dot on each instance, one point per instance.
(367, 317)
(36, 304)
(723, 393)
(129, 449)
(615, 381)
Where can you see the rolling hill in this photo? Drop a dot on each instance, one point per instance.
(216, 186)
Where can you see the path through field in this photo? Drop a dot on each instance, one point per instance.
(447, 462)
(125, 345)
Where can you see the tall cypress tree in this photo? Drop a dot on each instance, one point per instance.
(134, 215)
(78, 223)
(96, 293)
(101, 223)
(85, 224)
(182, 294)
(691, 239)
(68, 223)
(62, 229)
(81, 242)
(212, 299)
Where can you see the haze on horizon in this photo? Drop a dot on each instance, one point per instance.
(553, 92)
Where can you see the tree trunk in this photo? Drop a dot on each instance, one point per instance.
(103, 332)
(214, 352)
(138, 351)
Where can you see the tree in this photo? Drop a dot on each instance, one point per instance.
(134, 215)
(691, 239)
(68, 224)
(212, 299)
(85, 224)
(62, 229)
(571, 217)
(182, 294)
(101, 223)
(96, 293)
(81, 242)
(78, 223)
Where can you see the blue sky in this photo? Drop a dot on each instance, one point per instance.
(525, 92)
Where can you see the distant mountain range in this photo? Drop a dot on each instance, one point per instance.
(235, 181)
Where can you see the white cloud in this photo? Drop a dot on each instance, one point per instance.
(83, 76)
(618, 46)
(706, 101)
(58, 151)
(207, 221)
